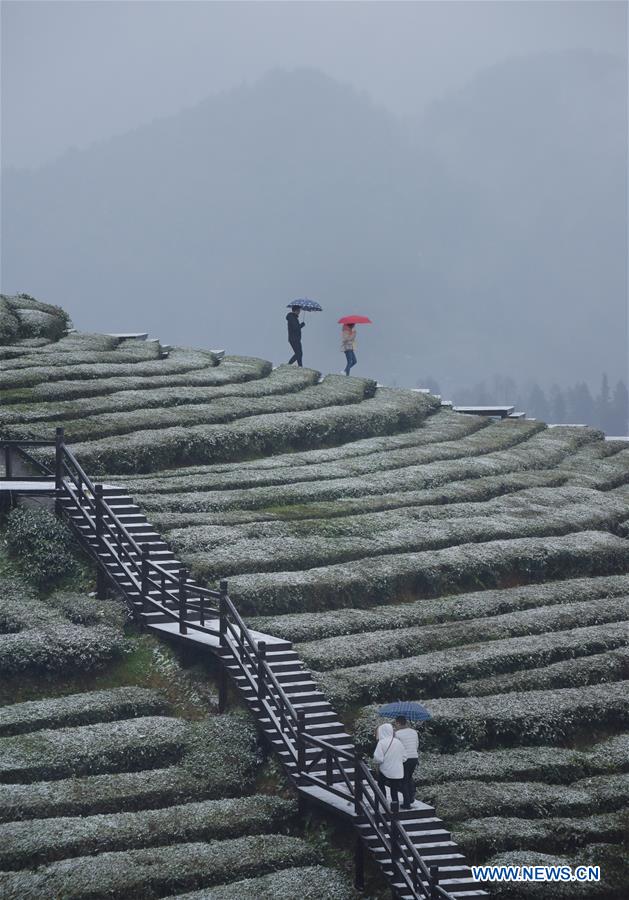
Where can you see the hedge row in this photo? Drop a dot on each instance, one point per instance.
(476, 491)
(341, 652)
(20, 607)
(80, 709)
(534, 717)
(541, 451)
(482, 837)
(603, 474)
(488, 440)
(208, 375)
(438, 673)
(152, 873)
(150, 449)
(368, 582)
(463, 800)
(29, 844)
(90, 749)
(611, 666)
(178, 361)
(442, 425)
(554, 765)
(462, 607)
(218, 760)
(334, 391)
(277, 546)
(304, 883)
(59, 648)
(22, 316)
(48, 356)
(284, 380)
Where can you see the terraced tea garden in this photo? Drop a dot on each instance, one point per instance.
(408, 551)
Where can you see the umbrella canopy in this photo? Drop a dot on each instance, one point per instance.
(413, 711)
(306, 304)
(355, 320)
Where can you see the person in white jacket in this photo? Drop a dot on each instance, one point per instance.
(390, 756)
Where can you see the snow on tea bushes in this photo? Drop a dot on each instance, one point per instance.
(345, 651)
(541, 451)
(554, 765)
(273, 546)
(459, 607)
(531, 717)
(246, 476)
(80, 709)
(179, 361)
(284, 380)
(464, 800)
(216, 758)
(154, 448)
(482, 837)
(157, 872)
(59, 648)
(32, 843)
(335, 390)
(438, 673)
(214, 373)
(21, 316)
(90, 749)
(381, 579)
(610, 666)
(303, 883)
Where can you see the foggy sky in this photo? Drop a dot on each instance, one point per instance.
(78, 72)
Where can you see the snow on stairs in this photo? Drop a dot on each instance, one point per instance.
(427, 832)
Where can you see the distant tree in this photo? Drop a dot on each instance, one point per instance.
(504, 389)
(582, 404)
(557, 402)
(537, 404)
(619, 418)
(603, 413)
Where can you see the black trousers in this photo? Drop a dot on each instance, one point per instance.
(297, 353)
(396, 786)
(408, 788)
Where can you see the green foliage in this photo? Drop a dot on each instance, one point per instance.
(42, 544)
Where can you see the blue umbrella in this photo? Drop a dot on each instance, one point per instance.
(413, 711)
(306, 304)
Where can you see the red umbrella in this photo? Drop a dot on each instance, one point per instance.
(355, 320)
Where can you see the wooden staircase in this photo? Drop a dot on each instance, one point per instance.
(413, 849)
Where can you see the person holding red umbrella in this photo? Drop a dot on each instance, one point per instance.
(348, 338)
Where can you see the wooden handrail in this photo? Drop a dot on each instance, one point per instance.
(289, 724)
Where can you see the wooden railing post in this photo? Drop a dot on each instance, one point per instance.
(145, 586)
(59, 438)
(101, 583)
(222, 613)
(434, 882)
(301, 743)
(261, 672)
(183, 597)
(358, 784)
(395, 845)
(329, 768)
(8, 460)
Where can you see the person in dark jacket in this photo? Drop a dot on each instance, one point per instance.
(294, 335)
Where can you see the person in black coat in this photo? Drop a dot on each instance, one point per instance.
(294, 335)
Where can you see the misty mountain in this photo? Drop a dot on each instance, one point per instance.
(484, 237)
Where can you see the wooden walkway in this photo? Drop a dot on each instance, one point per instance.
(413, 848)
